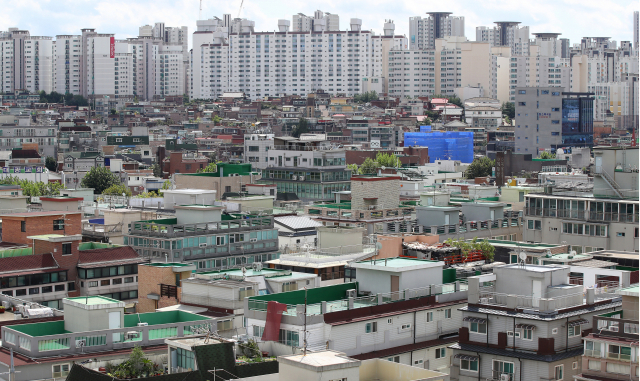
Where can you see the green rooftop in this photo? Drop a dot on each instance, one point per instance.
(93, 300)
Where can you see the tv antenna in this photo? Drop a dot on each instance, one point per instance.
(200, 14)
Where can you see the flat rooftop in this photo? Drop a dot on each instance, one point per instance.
(632, 290)
(93, 300)
(323, 360)
(397, 264)
(535, 268)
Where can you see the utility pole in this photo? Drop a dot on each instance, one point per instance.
(304, 351)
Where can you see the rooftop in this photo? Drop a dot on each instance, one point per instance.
(629, 291)
(321, 361)
(397, 264)
(93, 300)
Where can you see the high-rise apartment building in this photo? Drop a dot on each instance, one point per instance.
(424, 32)
(636, 30)
(269, 63)
(506, 33)
(321, 21)
(25, 61)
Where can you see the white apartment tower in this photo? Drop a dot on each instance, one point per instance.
(506, 33)
(636, 31)
(424, 32)
(67, 56)
(320, 21)
(25, 61)
(269, 63)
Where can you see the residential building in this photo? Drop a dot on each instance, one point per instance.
(160, 284)
(611, 349)
(18, 227)
(604, 220)
(526, 323)
(229, 178)
(25, 61)
(547, 118)
(483, 113)
(320, 22)
(296, 231)
(93, 325)
(636, 31)
(217, 241)
(506, 33)
(13, 136)
(424, 32)
(388, 313)
(77, 164)
(184, 162)
(256, 147)
(310, 167)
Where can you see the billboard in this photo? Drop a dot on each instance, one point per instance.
(112, 47)
(570, 116)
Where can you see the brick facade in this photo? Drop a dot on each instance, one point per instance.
(179, 164)
(38, 223)
(67, 262)
(383, 192)
(149, 280)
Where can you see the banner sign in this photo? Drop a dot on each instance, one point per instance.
(112, 47)
(22, 169)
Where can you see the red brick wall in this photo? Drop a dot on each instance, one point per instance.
(68, 262)
(38, 225)
(176, 164)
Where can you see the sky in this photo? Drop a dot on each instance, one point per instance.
(573, 18)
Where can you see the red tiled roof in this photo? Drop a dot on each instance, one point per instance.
(119, 253)
(27, 263)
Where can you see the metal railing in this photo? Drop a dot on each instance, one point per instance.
(89, 227)
(593, 353)
(169, 230)
(502, 376)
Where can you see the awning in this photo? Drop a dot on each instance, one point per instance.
(578, 322)
(465, 357)
(526, 326)
(475, 319)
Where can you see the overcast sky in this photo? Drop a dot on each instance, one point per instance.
(573, 18)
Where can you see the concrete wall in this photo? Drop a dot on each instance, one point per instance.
(198, 215)
(349, 239)
(218, 184)
(82, 320)
(482, 211)
(386, 190)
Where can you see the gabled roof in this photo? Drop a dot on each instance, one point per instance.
(23, 263)
(109, 255)
(24, 154)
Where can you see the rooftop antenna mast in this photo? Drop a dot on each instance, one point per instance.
(239, 10)
(200, 14)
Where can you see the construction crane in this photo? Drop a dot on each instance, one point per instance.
(240, 10)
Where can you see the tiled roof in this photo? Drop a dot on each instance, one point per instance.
(27, 262)
(118, 253)
(24, 153)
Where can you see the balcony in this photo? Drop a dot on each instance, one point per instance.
(153, 229)
(497, 375)
(101, 230)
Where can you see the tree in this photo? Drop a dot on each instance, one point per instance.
(99, 178)
(368, 167)
(353, 168)
(547, 155)
(113, 111)
(51, 164)
(167, 185)
(465, 246)
(216, 120)
(118, 190)
(210, 168)
(480, 167)
(157, 170)
(509, 110)
(301, 128)
(388, 160)
(33, 188)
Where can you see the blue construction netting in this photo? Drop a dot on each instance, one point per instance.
(425, 128)
(450, 145)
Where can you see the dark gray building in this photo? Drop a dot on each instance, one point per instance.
(548, 118)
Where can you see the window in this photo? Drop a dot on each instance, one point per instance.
(23, 226)
(594, 365)
(429, 317)
(116, 281)
(390, 321)
(574, 365)
(502, 368)
(371, 327)
(105, 282)
(512, 334)
(618, 368)
(93, 283)
(258, 331)
(418, 362)
(66, 248)
(447, 313)
(58, 224)
(405, 327)
(441, 353)
(620, 234)
(574, 331)
(527, 334)
(60, 371)
(478, 328)
(128, 279)
(470, 365)
(617, 352)
(394, 359)
(559, 372)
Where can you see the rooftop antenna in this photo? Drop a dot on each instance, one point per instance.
(523, 258)
(200, 14)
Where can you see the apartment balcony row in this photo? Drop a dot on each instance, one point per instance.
(372, 213)
(582, 215)
(304, 148)
(355, 302)
(157, 229)
(496, 227)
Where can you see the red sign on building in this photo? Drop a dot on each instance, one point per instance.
(112, 47)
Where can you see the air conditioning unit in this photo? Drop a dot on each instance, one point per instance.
(81, 343)
(301, 178)
(351, 293)
(132, 335)
(504, 377)
(294, 177)
(142, 324)
(484, 300)
(253, 240)
(202, 245)
(257, 266)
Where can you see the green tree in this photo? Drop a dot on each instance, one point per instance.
(210, 168)
(51, 164)
(480, 167)
(157, 170)
(167, 185)
(118, 190)
(509, 110)
(388, 160)
(368, 167)
(113, 111)
(216, 120)
(33, 188)
(301, 128)
(99, 178)
(547, 155)
(353, 168)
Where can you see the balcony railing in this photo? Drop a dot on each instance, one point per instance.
(101, 229)
(168, 230)
(593, 353)
(497, 375)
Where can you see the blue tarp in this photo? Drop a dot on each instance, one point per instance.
(448, 145)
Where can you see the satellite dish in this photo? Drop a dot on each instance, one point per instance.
(523, 256)
(378, 246)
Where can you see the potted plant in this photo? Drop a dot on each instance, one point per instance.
(1, 309)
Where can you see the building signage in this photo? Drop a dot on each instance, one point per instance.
(112, 47)
(544, 115)
(22, 169)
